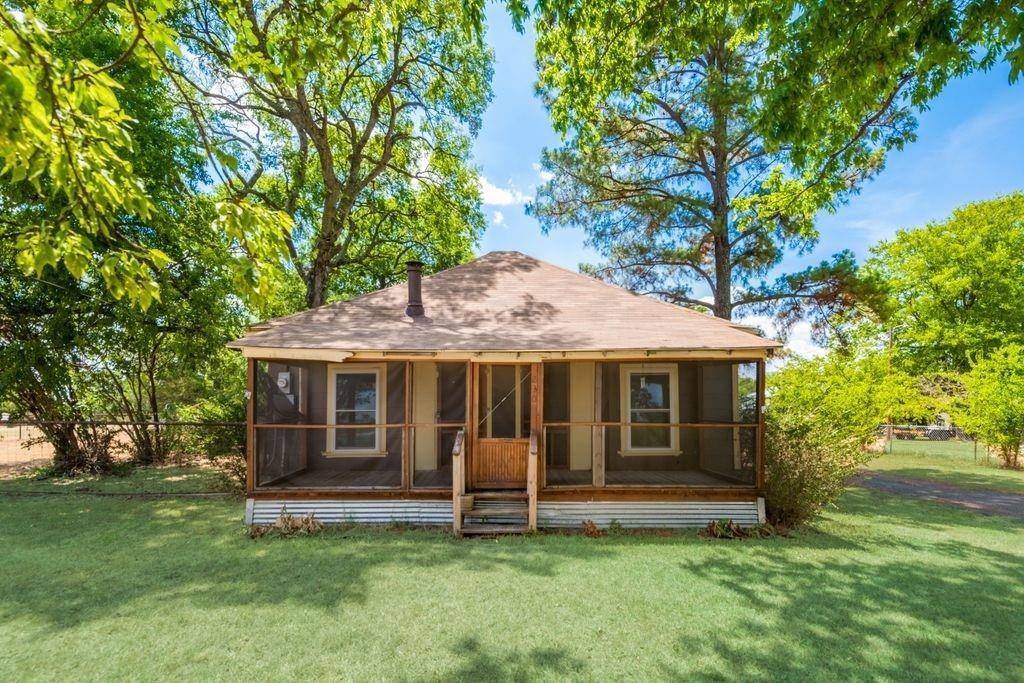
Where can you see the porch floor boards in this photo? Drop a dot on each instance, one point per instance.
(637, 477)
(362, 478)
(443, 478)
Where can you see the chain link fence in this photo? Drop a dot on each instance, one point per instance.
(187, 454)
(947, 441)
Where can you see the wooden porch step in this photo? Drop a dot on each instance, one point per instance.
(497, 516)
(497, 510)
(493, 529)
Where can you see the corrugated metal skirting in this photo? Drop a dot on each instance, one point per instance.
(641, 515)
(631, 514)
(346, 511)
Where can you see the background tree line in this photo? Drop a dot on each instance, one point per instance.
(261, 159)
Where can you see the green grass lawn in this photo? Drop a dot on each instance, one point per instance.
(950, 462)
(99, 588)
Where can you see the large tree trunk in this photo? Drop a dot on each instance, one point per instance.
(721, 201)
(722, 307)
(316, 285)
(319, 273)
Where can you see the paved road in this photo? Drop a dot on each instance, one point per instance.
(990, 502)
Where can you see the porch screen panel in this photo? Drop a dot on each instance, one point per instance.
(569, 397)
(439, 412)
(357, 449)
(281, 398)
(701, 396)
(502, 419)
(728, 393)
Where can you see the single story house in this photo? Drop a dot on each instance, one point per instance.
(502, 395)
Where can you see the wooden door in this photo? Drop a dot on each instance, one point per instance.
(500, 463)
(502, 426)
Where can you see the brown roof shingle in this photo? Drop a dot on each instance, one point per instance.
(504, 301)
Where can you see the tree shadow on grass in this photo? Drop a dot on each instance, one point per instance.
(481, 663)
(928, 607)
(90, 557)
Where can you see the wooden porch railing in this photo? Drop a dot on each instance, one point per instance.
(458, 480)
(532, 465)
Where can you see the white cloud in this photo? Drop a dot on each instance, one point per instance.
(493, 195)
(799, 341)
(499, 218)
(880, 213)
(545, 176)
(973, 133)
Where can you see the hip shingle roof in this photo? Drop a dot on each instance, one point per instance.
(504, 301)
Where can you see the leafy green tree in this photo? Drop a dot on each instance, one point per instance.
(859, 50)
(669, 165)
(69, 350)
(64, 130)
(993, 407)
(145, 366)
(368, 109)
(353, 120)
(701, 141)
(953, 288)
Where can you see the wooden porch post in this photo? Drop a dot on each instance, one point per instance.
(759, 454)
(458, 479)
(459, 453)
(536, 442)
(407, 471)
(597, 433)
(250, 428)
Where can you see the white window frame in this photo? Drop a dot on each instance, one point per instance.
(379, 449)
(626, 370)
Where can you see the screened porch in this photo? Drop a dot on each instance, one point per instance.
(392, 425)
(386, 425)
(651, 424)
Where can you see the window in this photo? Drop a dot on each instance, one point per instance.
(356, 397)
(650, 395)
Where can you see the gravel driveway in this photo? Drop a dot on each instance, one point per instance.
(990, 502)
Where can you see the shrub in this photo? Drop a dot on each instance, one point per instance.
(79, 447)
(993, 407)
(223, 446)
(806, 470)
(289, 525)
(822, 413)
(728, 529)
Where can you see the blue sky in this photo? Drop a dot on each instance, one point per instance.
(970, 146)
